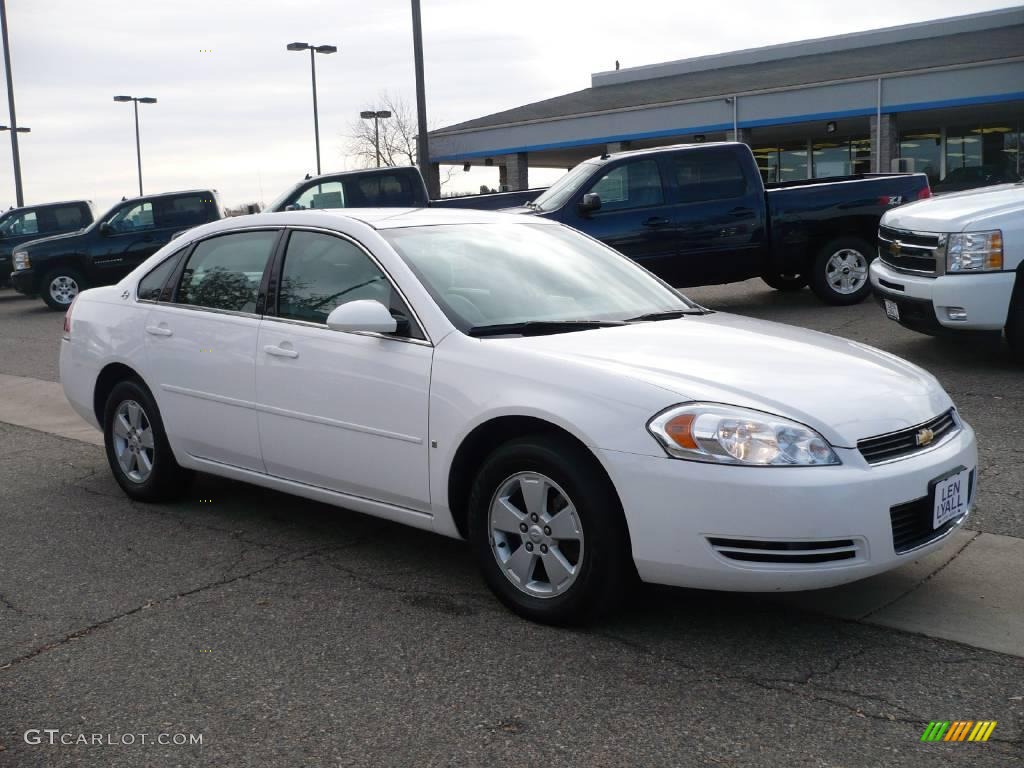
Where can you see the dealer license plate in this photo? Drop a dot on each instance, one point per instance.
(892, 309)
(950, 497)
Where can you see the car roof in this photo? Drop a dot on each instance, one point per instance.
(393, 218)
(206, 191)
(46, 205)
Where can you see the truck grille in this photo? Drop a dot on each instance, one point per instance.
(912, 522)
(916, 252)
(896, 445)
(785, 552)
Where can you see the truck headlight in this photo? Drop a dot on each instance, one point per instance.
(974, 252)
(21, 260)
(726, 434)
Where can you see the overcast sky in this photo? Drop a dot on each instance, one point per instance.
(239, 118)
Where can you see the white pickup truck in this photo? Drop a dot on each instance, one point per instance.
(955, 264)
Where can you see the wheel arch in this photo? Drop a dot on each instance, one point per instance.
(109, 377)
(478, 444)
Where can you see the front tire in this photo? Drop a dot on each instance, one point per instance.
(1015, 321)
(547, 531)
(136, 445)
(840, 272)
(60, 286)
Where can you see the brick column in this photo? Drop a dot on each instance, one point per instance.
(513, 172)
(617, 146)
(742, 134)
(888, 149)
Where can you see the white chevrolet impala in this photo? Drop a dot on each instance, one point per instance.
(515, 383)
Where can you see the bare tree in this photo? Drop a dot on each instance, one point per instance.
(397, 137)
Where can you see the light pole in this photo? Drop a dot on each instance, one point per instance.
(313, 50)
(14, 129)
(138, 147)
(422, 150)
(380, 114)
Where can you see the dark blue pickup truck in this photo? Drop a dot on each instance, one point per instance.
(693, 214)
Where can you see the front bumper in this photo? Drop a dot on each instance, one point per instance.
(24, 281)
(679, 514)
(985, 297)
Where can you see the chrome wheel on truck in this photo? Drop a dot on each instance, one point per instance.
(840, 273)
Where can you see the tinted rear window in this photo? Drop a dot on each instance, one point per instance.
(707, 175)
(185, 210)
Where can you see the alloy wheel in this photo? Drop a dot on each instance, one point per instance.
(535, 535)
(846, 271)
(133, 441)
(63, 289)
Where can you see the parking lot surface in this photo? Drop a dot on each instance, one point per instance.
(286, 632)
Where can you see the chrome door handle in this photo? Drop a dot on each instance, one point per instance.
(270, 349)
(159, 330)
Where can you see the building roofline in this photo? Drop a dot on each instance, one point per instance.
(972, 22)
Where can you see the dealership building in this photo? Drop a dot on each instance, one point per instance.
(931, 97)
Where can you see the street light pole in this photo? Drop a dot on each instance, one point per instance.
(138, 145)
(313, 50)
(376, 115)
(18, 192)
(422, 151)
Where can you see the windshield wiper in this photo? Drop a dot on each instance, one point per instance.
(540, 327)
(668, 314)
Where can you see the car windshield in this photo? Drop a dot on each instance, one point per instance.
(490, 275)
(555, 196)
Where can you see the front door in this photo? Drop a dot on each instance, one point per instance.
(342, 411)
(124, 240)
(201, 350)
(634, 217)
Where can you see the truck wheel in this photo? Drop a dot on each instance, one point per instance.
(1015, 321)
(840, 272)
(784, 282)
(60, 286)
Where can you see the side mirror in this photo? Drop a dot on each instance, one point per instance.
(105, 229)
(293, 207)
(591, 202)
(363, 315)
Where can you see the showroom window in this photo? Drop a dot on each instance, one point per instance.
(992, 147)
(923, 147)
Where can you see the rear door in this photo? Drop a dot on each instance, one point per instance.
(201, 348)
(634, 216)
(718, 216)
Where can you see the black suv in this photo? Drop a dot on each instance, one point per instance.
(57, 268)
(30, 222)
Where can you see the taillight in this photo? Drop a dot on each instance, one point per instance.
(67, 320)
(925, 193)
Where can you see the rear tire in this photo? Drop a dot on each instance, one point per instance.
(547, 531)
(783, 282)
(60, 286)
(136, 445)
(839, 275)
(1015, 321)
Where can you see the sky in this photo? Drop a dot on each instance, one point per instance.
(234, 107)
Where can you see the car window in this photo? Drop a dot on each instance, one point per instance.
(225, 272)
(183, 211)
(132, 218)
(329, 194)
(707, 176)
(22, 224)
(151, 285)
(322, 272)
(636, 184)
(383, 190)
(68, 217)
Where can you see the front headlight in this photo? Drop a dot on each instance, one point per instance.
(21, 260)
(974, 252)
(726, 434)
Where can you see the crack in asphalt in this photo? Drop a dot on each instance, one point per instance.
(13, 608)
(278, 561)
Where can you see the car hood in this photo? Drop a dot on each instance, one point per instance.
(845, 390)
(955, 211)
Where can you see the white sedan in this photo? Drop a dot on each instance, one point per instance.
(515, 383)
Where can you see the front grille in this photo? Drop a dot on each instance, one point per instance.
(906, 251)
(785, 552)
(912, 521)
(895, 445)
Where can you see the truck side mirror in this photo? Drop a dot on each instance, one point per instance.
(105, 229)
(591, 202)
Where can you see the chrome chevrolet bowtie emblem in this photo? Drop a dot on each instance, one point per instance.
(894, 247)
(924, 436)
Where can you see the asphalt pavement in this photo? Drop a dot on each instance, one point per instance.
(287, 633)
